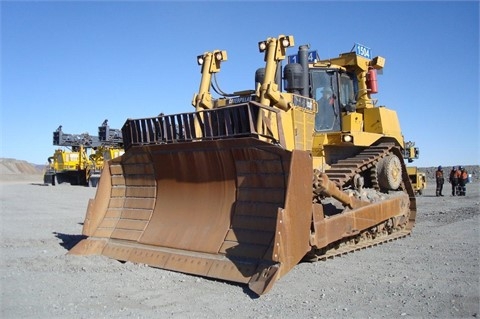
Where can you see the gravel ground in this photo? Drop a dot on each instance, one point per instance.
(434, 273)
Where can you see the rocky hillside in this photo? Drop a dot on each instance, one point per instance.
(10, 166)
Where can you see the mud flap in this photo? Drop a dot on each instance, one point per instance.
(238, 210)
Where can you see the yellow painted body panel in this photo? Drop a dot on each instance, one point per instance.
(366, 128)
(417, 178)
(298, 124)
(67, 160)
(352, 122)
(380, 120)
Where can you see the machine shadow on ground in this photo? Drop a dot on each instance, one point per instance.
(69, 241)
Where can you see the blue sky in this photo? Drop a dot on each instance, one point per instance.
(77, 63)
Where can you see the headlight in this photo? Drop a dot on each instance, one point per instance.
(262, 46)
(347, 138)
(287, 41)
(200, 59)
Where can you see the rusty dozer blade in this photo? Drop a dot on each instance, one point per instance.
(238, 210)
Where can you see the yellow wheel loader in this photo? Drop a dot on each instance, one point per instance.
(304, 167)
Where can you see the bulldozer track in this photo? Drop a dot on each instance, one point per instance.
(342, 174)
(350, 248)
(344, 170)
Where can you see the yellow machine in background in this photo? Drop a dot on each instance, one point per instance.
(70, 164)
(82, 157)
(98, 158)
(253, 182)
(110, 146)
(418, 179)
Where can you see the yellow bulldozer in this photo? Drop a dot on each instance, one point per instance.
(303, 167)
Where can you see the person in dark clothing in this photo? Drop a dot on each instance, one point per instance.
(327, 115)
(453, 179)
(440, 181)
(462, 181)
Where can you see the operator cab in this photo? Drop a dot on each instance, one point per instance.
(334, 92)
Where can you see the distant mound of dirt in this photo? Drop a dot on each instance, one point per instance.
(10, 166)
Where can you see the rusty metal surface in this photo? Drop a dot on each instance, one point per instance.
(238, 210)
(365, 224)
(352, 223)
(99, 204)
(207, 208)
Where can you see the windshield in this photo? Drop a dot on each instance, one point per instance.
(347, 92)
(323, 88)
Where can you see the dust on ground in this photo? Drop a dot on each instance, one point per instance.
(434, 273)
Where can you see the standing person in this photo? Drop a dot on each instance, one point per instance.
(462, 181)
(453, 179)
(440, 181)
(458, 174)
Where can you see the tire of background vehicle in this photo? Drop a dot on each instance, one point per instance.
(93, 182)
(47, 179)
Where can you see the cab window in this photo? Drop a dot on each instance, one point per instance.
(346, 93)
(324, 87)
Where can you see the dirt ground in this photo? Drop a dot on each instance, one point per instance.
(434, 273)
